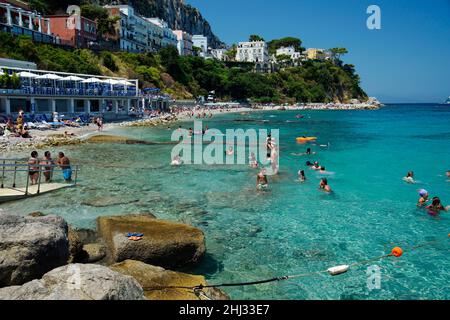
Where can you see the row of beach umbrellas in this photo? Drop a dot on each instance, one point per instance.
(51, 76)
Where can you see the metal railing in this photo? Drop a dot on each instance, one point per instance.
(14, 167)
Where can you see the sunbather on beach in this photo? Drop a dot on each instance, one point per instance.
(48, 162)
(33, 168)
(64, 164)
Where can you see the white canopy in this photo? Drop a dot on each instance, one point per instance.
(25, 74)
(92, 80)
(72, 78)
(111, 81)
(125, 83)
(49, 76)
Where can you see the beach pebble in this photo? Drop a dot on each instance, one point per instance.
(165, 244)
(77, 282)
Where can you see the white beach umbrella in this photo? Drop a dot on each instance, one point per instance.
(49, 76)
(25, 74)
(72, 78)
(92, 80)
(110, 81)
(125, 83)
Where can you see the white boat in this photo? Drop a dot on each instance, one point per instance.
(447, 101)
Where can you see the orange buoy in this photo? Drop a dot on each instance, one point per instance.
(397, 252)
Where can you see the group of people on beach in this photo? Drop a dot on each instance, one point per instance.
(46, 166)
(16, 129)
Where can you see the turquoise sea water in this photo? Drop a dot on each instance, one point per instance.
(293, 228)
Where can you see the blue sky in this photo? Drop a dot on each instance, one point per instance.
(408, 60)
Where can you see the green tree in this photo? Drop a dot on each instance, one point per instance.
(337, 53)
(255, 38)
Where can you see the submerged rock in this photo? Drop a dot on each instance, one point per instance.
(77, 282)
(109, 201)
(165, 244)
(153, 279)
(30, 247)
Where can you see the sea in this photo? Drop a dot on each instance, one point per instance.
(292, 228)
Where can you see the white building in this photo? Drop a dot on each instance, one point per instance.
(257, 51)
(289, 51)
(166, 35)
(200, 41)
(219, 54)
(185, 44)
(140, 34)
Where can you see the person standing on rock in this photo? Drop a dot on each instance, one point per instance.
(64, 164)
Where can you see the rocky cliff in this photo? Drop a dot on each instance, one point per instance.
(178, 15)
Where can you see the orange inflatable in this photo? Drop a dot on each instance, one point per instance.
(397, 252)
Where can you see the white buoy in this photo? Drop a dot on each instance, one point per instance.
(335, 271)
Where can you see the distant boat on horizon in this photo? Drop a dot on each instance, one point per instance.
(447, 101)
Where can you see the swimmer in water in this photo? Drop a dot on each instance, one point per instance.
(423, 198)
(436, 207)
(307, 153)
(177, 161)
(253, 161)
(448, 175)
(409, 177)
(324, 185)
(316, 166)
(261, 180)
(191, 132)
(301, 176)
(230, 151)
(309, 164)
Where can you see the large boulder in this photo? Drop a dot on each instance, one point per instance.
(156, 280)
(77, 282)
(165, 244)
(30, 247)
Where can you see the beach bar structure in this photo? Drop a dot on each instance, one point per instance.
(17, 19)
(45, 92)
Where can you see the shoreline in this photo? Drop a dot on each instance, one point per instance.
(56, 137)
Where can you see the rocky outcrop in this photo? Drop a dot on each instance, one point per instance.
(155, 281)
(30, 247)
(165, 244)
(77, 282)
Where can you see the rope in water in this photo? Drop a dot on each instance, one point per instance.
(335, 271)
